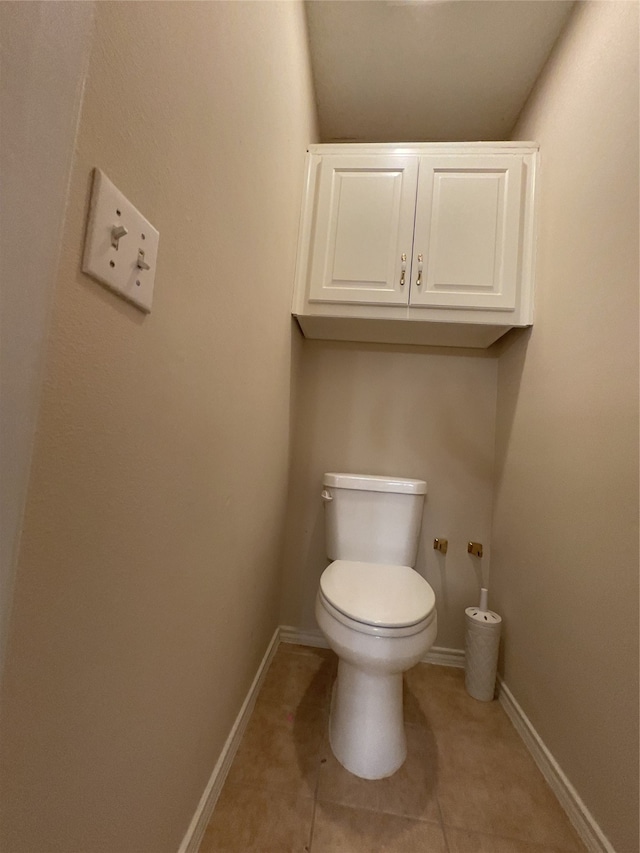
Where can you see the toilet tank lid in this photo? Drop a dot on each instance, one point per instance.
(374, 483)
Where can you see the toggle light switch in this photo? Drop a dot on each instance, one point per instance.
(117, 232)
(121, 247)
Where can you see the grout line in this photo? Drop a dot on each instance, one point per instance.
(442, 826)
(313, 823)
(309, 847)
(446, 840)
(381, 811)
(315, 797)
(384, 814)
(321, 760)
(541, 846)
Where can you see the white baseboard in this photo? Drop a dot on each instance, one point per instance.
(445, 657)
(193, 838)
(579, 815)
(302, 637)
(315, 638)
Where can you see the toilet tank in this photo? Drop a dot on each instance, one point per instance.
(373, 519)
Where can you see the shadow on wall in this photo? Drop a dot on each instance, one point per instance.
(513, 347)
(337, 425)
(304, 546)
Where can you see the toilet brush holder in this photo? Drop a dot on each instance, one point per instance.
(481, 650)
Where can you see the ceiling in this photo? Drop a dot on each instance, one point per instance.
(427, 70)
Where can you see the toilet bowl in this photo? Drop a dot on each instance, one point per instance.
(380, 620)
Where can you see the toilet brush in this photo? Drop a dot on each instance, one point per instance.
(484, 599)
(482, 609)
(481, 649)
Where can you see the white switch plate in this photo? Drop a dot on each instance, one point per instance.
(118, 268)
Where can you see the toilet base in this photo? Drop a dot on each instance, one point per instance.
(366, 728)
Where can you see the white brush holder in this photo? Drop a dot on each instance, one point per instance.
(481, 652)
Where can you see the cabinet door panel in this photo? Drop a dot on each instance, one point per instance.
(468, 216)
(364, 224)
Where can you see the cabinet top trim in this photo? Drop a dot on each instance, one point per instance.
(422, 147)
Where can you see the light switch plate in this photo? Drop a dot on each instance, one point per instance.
(119, 263)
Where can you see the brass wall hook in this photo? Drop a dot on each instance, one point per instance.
(441, 545)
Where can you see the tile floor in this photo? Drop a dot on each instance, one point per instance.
(468, 785)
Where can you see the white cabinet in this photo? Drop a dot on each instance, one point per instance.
(467, 228)
(429, 243)
(364, 225)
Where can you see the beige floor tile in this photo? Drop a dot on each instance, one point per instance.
(436, 694)
(490, 784)
(281, 749)
(299, 675)
(339, 829)
(488, 781)
(461, 841)
(253, 819)
(410, 792)
(466, 767)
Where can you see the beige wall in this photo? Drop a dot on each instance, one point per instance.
(148, 580)
(409, 412)
(144, 599)
(565, 539)
(44, 51)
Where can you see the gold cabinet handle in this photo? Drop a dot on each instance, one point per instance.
(403, 268)
(420, 265)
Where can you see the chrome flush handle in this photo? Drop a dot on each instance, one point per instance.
(403, 268)
(420, 265)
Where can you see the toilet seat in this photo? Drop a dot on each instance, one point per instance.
(375, 598)
(374, 630)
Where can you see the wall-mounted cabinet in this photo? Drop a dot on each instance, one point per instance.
(421, 244)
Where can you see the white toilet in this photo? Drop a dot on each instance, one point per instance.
(376, 612)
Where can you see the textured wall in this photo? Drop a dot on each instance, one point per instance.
(44, 51)
(406, 412)
(148, 580)
(565, 541)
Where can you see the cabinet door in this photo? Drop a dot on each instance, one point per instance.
(468, 219)
(364, 224)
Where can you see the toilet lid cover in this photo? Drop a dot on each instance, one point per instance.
(378, 594)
